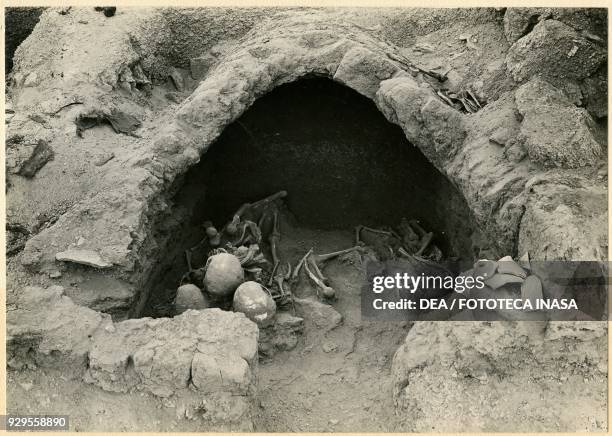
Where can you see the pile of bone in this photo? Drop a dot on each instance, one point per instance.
(410, 240)
(243, 269)
(236, 271)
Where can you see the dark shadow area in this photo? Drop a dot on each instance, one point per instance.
(18, 23)
(340, 160)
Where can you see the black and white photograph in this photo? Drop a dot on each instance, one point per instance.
(232, 218)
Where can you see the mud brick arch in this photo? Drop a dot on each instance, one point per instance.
(501, 193)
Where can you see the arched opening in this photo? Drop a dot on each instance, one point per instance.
(341, 162)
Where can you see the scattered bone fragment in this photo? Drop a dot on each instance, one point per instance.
(325, 257)
(425, 243)
(214, 238)
(381, 241)
(248, 232)
(298, 267)
(326, 291)
(274, 238)
(120, 121)
(103, 159)
(410, 239)
(253, 211)
(280, 280)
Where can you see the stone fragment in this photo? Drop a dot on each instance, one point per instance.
(177, 79)
(31, 80)
(515, 151)
(106, 294)
(47, 329)
(251, 299)
(566, 217)
(190, 297)
(123, 122)
(280, 336)
(555, 132)
(363, 70)
(107, 11)
(322, 316)
(120, 120)
(500, 136)
(83, 257)
(41, 154)
(174, 97)
(544, 52)
(212, 372)
(518, 22)
(103, 159)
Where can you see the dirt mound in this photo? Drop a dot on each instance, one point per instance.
(482, 376)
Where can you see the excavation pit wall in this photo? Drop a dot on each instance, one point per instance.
(513, 200)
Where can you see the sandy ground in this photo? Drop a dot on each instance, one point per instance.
(334, 380)
(337, 380)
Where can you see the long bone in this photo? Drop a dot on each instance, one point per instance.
(232, 227)
(326, 290)
(273, 239)
(298, 267)
(359, 228)
(280, 279)
(328, 256)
